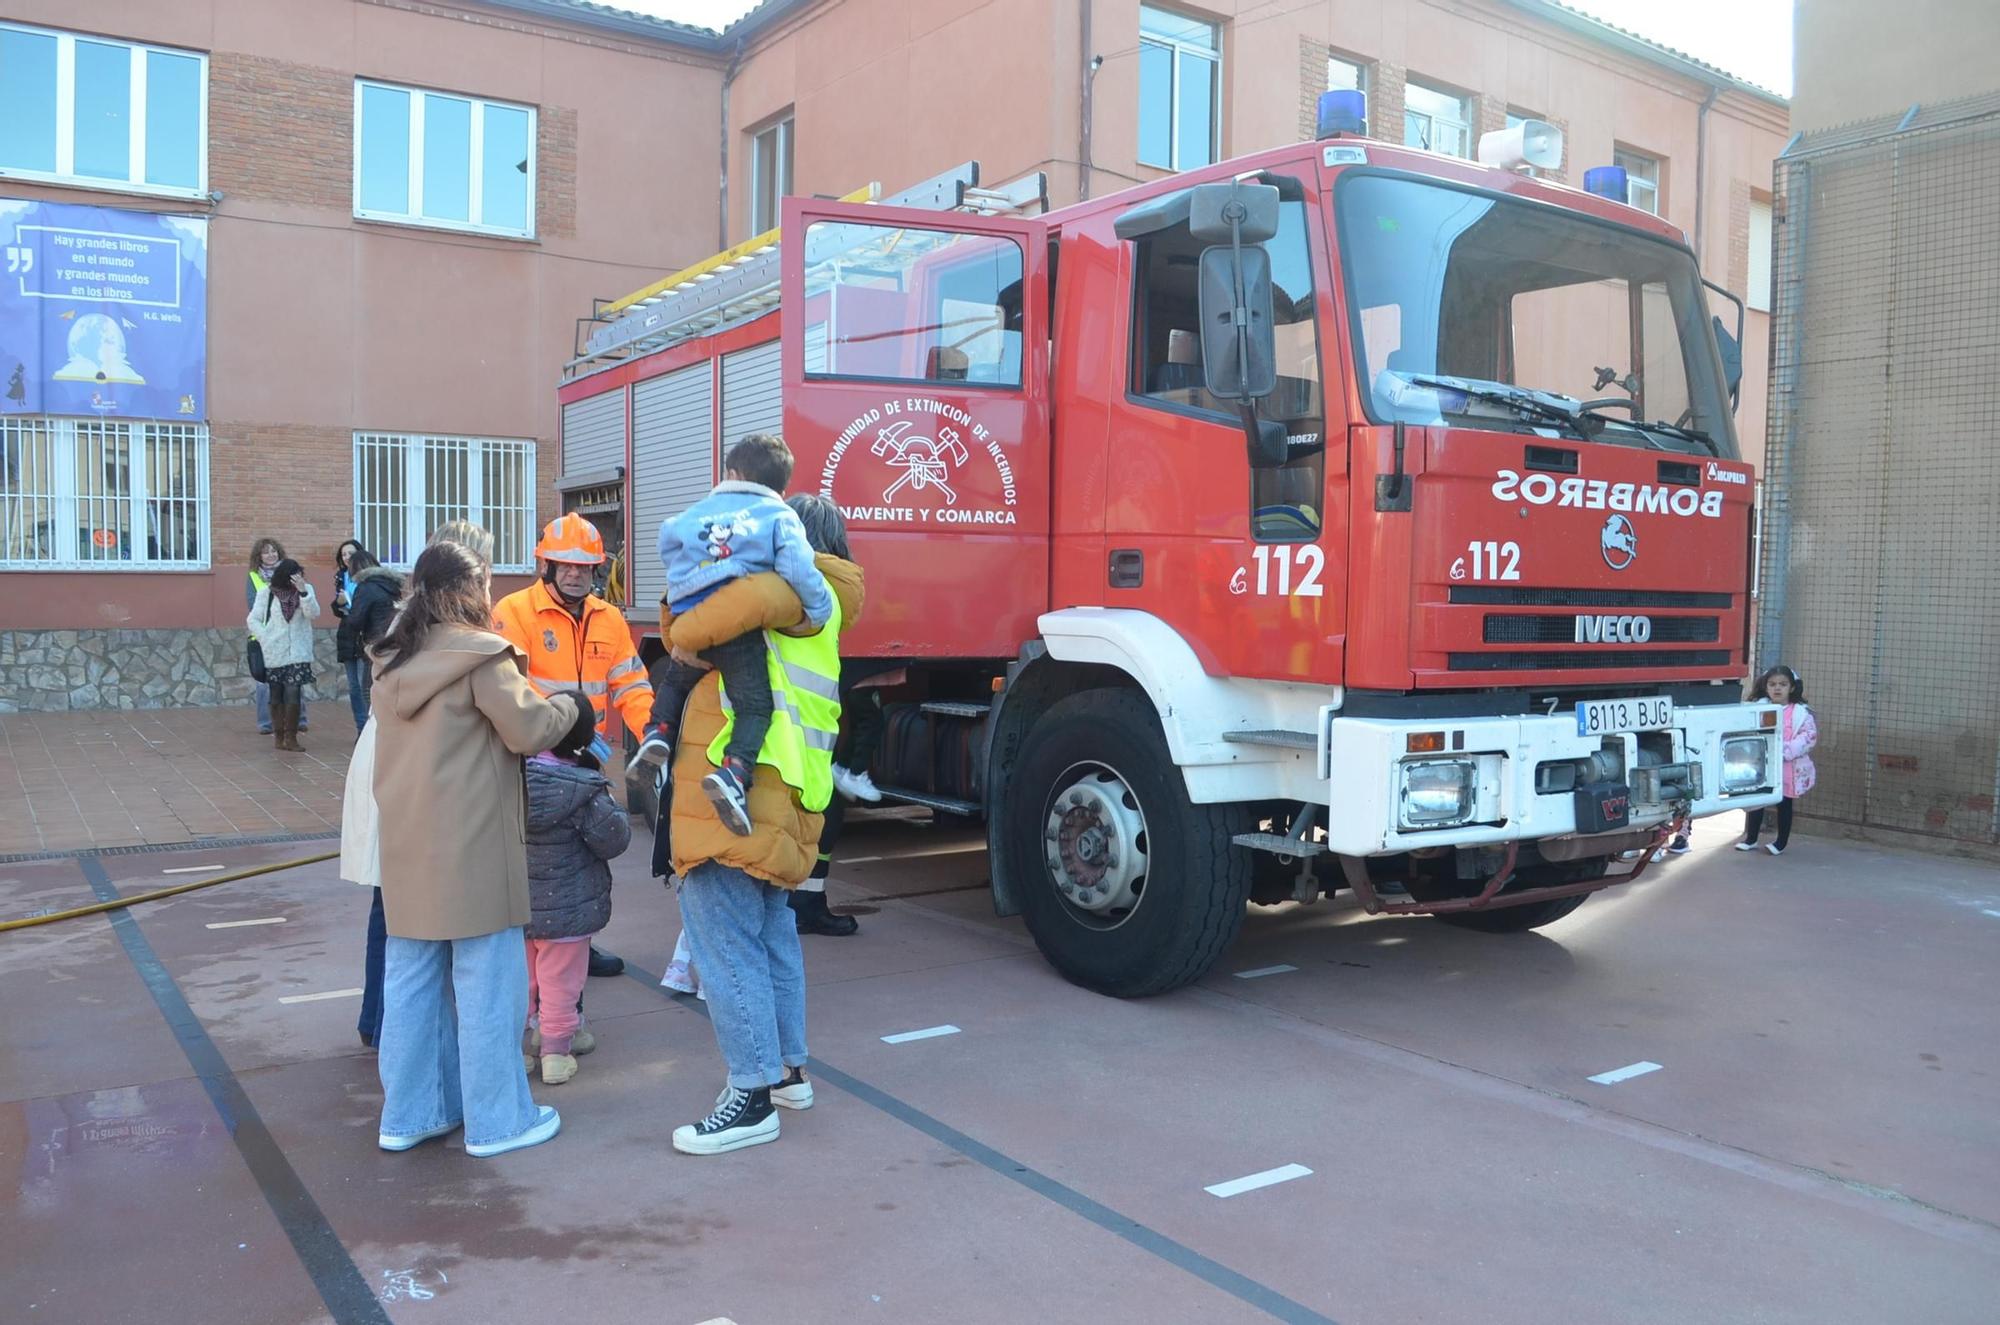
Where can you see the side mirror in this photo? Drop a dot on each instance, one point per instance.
(1239, 355)
(1270, 445)
(1235, 212)
(1732, 359)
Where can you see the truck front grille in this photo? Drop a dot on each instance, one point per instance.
(1488, 595)
(1564, 660)
(1562, 629)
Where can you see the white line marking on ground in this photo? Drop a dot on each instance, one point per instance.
(1619, 1074)
(1989, 911)
(1263, 971)
(192, 869)
(315, 998)
(929, 1034)
(860, 860)
(1268, 1178)
(239, 924)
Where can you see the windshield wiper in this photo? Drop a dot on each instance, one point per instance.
(1525, 405)
(1589, 410)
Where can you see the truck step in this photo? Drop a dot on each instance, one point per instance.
(1279, 844)
(948, 804)
(1283, 740)
(952, 708)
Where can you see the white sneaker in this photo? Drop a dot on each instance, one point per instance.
(679, 978)
(389, 1141)
(1774, 848)
(856, 786)
(1746, 846)
(546, 1126)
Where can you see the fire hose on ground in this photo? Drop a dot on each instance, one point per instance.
(29, 922)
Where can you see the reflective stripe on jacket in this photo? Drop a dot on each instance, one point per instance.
(591, 651)
(805, 711)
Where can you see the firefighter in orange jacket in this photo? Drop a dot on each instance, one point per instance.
(576, 641)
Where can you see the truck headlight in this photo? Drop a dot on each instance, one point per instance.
(1746, 764)
(1437, 793)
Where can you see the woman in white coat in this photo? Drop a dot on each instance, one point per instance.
(281, 621)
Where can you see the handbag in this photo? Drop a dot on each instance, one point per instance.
(258, 672)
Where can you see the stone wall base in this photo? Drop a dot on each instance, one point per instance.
(45, 671)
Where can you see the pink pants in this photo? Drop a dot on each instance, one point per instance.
(557, 969)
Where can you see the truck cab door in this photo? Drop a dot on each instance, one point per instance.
(915, 356)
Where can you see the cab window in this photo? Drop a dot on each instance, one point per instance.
(1286, 505)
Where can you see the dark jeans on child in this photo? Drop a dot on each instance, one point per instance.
(1753, 824)
(746, 678)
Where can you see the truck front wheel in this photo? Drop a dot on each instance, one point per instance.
(1128, 888)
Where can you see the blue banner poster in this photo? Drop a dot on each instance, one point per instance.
(102, 312)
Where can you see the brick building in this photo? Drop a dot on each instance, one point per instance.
(385, 218)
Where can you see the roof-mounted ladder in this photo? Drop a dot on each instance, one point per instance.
(741, 283)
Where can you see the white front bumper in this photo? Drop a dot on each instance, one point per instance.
(1361, 761)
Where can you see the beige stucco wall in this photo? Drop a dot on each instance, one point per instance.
(1861, 59)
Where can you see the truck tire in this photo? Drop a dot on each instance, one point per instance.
(1128, 888)
(1513, 919)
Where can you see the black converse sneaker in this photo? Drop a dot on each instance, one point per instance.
(742, 1118)
(794, 1092)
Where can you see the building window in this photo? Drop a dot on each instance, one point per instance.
(1758, 295)
(95, 494)
(770, 174)
(102, 114)
(1642, 179)
(1436, 120)
(1345, 75)
(1180, 90)
(429, 158)
(921, 305)
(406, 485)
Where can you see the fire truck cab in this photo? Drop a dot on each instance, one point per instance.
(1338, 517)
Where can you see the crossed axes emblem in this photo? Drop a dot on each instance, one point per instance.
(926, 463)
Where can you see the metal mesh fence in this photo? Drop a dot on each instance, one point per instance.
(1883, 488)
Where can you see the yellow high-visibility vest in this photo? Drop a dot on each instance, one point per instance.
(805, 711)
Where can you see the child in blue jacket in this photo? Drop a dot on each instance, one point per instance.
(741, 528)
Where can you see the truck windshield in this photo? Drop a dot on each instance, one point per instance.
(1466, 305)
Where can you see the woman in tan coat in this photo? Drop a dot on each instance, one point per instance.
(454, 716)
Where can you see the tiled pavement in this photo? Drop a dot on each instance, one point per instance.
(71, 781)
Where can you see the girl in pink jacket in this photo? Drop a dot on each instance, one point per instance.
(1798, 731)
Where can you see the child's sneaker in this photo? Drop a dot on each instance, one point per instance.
(728, 790)
(658, 746)
(1679, 846)
(1746, 846)
(856, 786)
(557, 1068)
(679, 978)
(742, 1118)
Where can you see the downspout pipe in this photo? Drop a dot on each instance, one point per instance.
(1701, 175)
(728, 77)
(1090, 66)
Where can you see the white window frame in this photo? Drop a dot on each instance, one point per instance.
(1463, 122)
(1757, 277)
(65, 112)
(780, 135)
(1640, 191)
(416, 503)
(1177, 48)
(68, 506)
(476, 167)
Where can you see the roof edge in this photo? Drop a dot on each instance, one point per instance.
(608, 18)
(1610, 34)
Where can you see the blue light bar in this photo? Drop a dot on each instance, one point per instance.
(1606, 182)
(1342, 111)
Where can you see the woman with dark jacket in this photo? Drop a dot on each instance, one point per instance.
(371, 606)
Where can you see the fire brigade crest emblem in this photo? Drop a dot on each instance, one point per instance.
(1618, 542)
(549, 640)
(925, 462)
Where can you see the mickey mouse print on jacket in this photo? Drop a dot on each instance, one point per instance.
(736, 530)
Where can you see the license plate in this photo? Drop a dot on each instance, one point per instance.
(1601, 717)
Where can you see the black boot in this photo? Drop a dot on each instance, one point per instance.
(604, 963)
(809, 911)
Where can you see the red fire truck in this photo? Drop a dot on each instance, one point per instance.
(1337, 517)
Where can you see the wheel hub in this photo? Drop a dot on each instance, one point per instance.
(1094, 843)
